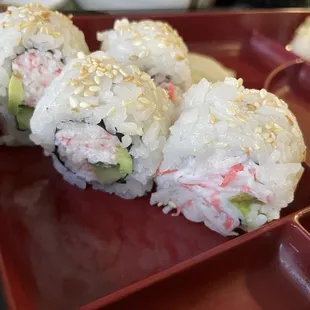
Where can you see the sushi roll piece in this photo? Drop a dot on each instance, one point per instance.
(233, 159)
(105, 124)
(35, 45)
(300, 44)
(153, 46)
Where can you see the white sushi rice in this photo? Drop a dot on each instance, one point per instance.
(35, 43)
(96, 88)
(230, 141)
(300, 43)
(155, 47)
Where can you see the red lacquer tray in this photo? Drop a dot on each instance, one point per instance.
(63, 248)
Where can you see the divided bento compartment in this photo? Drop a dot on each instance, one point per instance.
(269, 270)
(63, 247)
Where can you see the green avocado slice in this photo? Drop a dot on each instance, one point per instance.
(22, 112)
(108, 175)
(23, 117)
(16, 94)
(124, 159)
(244, 201)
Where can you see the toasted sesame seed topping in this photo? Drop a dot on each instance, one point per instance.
(241, 118)
(289, 120)
(79, 89)
(263, 93)
(99, 73)
(84, 105)
(129, 78)
(81, 55)
(133, 57)
(94, 88)
(143, 100)
(88, 93)
(251, 107)
(87, 82)
(212, 118)
(122, 72)
(171, 204)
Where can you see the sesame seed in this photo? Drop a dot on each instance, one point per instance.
(88, 93)
(81, 55)
(83, 76)
(269, 140)
(79, 89)
(231, 111)
(221, 145)
(159, 204)
(92, 68)
(109, 75)
(97, 80)
(171, 204)
(114, 72)
(138, 83)
(116, 67)
(245, 149)
(84, 104)
(122, 72)
(277, 130)
(212, 119)
(143, 100)
(289, 120)
(99, 73)
(133, 57)
(269, 125)
(87, 82)
(257, 105)
(263, 93)
(180, 57)
(129, 78)
(94, 88)
(241, 118)
(137, 43)
(108, 67)
(273, 136)
(142, 54)
(73, 102)
(271, 103)
(251, 107)
(256, 147)
(239, 82)
(101, 69)
(145, 77)
(74, 83)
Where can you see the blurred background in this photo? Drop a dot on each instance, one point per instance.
(137, 5)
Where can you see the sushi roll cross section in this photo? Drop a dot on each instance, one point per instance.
(105, 124)
(35, 45)
(233, 159)
(153, 46)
